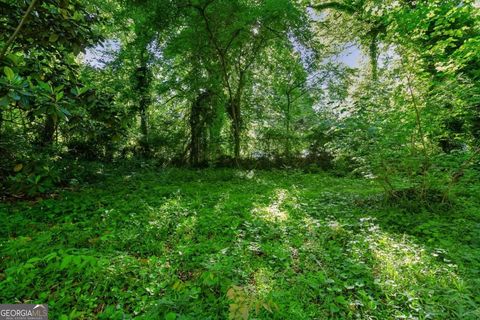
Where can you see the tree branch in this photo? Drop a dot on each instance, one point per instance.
(334, 5)
(17, 30)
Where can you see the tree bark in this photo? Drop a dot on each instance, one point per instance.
(195, 133)
(287, 122)
(143, 84)
(336, 6)
(200, 120)
(236, 116)
(1, 122)
(48, 131)
(374, 54)
(144, 129)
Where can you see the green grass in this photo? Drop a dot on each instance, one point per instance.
(214, 244)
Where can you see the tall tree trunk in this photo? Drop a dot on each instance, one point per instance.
(287, 124)
(48, 131)
(200, 121)
(236, 138)
(144, 127)
(195, 133)
(1, 123)
(143, 85)
(236, 116)
(374, 54)
(236, 127)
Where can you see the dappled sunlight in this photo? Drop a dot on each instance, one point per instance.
(397, 258)
(186, 228)
(335, 226)
(248, 175)
(171, 208)
(397, 255)
(311, 224)
(220, 205)
(252, 298)
(263, 281)
(274, 212)
(404, 269)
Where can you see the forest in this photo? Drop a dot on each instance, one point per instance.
(240, 159)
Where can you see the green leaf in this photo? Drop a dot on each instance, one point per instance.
(59, 96)
(341, 300)
(65, 262)
(15, 96)
(34, 259)
(50, 256)
(59, 88)
(171, 316)
(65, 112)
(53, 38)
(14, 58)
(9, 73)
(78, 16)
(18, 167)
(4, 101)
(82, 90)
(45, 86)
(334, 308)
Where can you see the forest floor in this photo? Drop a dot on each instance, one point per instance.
(213, 244)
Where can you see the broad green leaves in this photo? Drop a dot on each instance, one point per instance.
(9, 73)
(53, 38)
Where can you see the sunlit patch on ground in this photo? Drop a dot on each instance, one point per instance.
(274, 211)
(405, 271)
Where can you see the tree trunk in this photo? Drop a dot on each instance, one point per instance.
(143, 85)
(287, 122)
(236, 138)
(1, 123)
(144, 128)
(374, 55)
(48, 131)
(200, 120)
(236, 116)
(195, 134)
(236, 127)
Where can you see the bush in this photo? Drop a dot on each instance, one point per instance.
(34, 176)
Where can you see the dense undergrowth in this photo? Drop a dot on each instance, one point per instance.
(217, 244)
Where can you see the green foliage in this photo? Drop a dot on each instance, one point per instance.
(182, 244)
(111, 230)
(37, 176)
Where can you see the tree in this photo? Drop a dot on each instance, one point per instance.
(237, 46)
(374, 25)
(33, 51)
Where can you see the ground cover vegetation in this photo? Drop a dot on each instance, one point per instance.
(228, 159)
